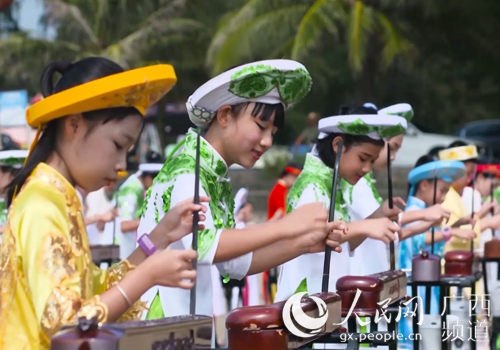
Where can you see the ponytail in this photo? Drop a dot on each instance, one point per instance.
(72, 74)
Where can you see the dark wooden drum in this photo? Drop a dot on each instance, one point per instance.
(492, 249)
(459, 263)
(374, 289)
(262, 327)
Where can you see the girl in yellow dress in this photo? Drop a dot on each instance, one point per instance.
(91, 117)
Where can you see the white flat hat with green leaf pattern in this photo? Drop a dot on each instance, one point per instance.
(388, 122)
(271, 81)
(375, 126)
(13, 158)
(402, 109)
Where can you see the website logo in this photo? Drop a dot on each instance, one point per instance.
(311, 325)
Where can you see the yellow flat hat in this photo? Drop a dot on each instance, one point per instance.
(139, 88)
(461, 153)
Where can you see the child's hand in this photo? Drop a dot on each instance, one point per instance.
(382, 229)
(337, 229)
(394, 212)
(436, 214)
(178, 222)
(172, 268)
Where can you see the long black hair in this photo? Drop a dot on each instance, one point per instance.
(324, 145)
(72, 74)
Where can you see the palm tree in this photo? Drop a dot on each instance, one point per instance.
(131, 33)
(303, 29)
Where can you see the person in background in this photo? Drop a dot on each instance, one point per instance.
(275, 209)
(129, 200)
(310, 133)
(364, 200)
(10, 163)
(131, 193)
(101, 212)
(485, 207)
(418, 234)
(277, 196)
(453, 202)
(227, 296)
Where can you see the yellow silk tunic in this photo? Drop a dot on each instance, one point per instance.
(47, 277)
(454, 203)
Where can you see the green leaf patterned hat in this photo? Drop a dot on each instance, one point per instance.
(271, 81)
(13, 158)
(376, 126)
(402, 109)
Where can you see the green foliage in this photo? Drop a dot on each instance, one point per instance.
(441, 57)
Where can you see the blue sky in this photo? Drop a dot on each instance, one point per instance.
(29, 15)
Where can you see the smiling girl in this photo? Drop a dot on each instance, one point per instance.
(364, 201)
(362, 132)
(239, 110)
(91, 117)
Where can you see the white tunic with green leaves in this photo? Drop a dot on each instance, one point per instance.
(130, 197)
(305, 273)
(174, 184)
(362, 201)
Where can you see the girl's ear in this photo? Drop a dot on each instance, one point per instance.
(335, 144)
(72, 125)
(224, 116)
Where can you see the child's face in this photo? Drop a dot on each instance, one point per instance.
(357, 161)
(426, 191)
(484, 184)
(396, 142)
(246, 138)
(94, 156)
(289, 179)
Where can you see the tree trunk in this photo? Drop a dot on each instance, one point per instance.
(366, 81)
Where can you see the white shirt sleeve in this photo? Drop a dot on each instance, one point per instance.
(313, 194)
(363, 203)
(467, 199)
(183, 188)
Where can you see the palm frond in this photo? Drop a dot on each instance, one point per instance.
(22, 58)
(359, 30)
(257, 39)
(57, 11)
(322, 15)
(394, 44)
(251, 10)
(134, 48)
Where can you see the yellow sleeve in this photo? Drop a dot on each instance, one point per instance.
(52, 262)
(105, 279)
(457, 209)
(451, 205)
